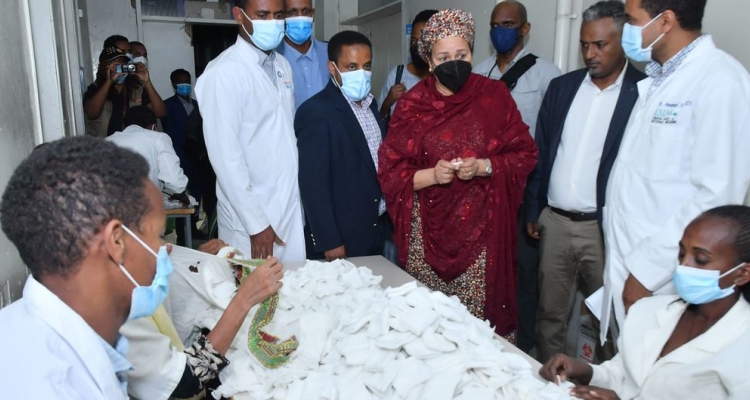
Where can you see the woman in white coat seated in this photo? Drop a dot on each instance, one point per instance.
(165, 369)
(695, 346)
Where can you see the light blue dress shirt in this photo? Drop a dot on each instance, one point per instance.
(309, 71)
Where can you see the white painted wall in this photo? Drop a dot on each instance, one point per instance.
(386, 36)
(727, 21)
(169, 48)
(481, 10)
(19, 125)
(107, 18)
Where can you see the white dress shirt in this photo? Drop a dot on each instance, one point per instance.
(156, 148)
(572, 184)
(684, 151)
(248, 122)
(712, 366)
(530, 88)
(50, 352)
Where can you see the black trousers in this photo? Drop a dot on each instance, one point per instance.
(527, 292)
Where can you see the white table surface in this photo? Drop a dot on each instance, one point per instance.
(394, 276)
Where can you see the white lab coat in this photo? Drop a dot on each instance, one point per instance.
(685, 150)
(249, 129)
(158, 365)
(50, 352)
(712, 366)
(156, 147)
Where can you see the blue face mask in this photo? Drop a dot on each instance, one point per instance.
(299, 29)
(120, 80)
(700, 286)
(267, 34)
(146, 299)
(632, 42)
(355, 85)
(503, 39)
(183, 89)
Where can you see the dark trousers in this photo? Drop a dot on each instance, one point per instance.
(527, 293)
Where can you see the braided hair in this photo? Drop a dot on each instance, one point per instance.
(739, 216)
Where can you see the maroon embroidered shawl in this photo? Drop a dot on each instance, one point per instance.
(464, 217)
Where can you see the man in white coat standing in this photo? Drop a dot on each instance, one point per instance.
(247, 104)
(684, 151)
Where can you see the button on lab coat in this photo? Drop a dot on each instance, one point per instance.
(712, 366)
(685, 150)
(50, 352)
(248, 125)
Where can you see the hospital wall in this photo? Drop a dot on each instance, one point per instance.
(19, 126)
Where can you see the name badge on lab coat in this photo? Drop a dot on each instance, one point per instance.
(672, 114)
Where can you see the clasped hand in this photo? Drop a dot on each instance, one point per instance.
(465, 168)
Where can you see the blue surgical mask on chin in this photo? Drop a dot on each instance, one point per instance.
(504, 39)
(632, 41)
(355, 85)
(299, 29)
(267, 34)
(146, 299)
(701, 286)
(120, 80)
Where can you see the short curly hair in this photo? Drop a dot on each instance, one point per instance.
(689, 12)
(739, 217)
(64, 193)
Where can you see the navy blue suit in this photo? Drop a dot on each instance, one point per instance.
(174, 124)
(337, 177)
(550, 123)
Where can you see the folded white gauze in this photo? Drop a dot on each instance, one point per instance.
(360, 342)
(412, 372)
(355, 348)
(395, 340)
(441, 386)
(476, 393)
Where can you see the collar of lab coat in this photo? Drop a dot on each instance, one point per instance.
(724, 331)
(251, 52)
(73, 329)
(699, 53)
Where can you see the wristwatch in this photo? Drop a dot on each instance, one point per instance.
(488, 168)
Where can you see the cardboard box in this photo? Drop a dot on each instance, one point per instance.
(208, 10)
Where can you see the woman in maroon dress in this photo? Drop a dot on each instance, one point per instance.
(453, 169)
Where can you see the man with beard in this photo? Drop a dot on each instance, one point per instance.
(581, 124)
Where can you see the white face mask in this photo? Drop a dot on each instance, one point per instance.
(141, 59)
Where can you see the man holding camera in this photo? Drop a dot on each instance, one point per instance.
(112, 94)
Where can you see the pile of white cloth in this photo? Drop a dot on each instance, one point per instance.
(359, 341)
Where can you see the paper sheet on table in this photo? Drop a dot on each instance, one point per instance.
(594, 303)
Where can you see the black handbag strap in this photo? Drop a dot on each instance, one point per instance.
(511, 76)
(399, 74)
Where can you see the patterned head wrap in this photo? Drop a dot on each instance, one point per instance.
(447, 23)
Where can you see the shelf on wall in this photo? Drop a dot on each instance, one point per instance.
(181, 20)
(376, 14)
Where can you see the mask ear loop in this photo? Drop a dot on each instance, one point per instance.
(651, 46)
(333, 78)
(732, 270)
(137, 239)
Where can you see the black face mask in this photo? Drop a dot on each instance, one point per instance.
(419, 63)
(453, 74)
